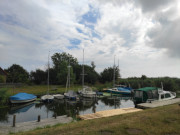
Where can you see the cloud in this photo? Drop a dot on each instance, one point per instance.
(153, 5)
(142, 34)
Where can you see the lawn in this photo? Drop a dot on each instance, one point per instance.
(38, 89)
(158, 121)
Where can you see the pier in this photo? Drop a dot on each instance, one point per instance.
(26, 126)
(108, 113)
(154, 104)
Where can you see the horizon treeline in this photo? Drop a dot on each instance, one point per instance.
(58, 75)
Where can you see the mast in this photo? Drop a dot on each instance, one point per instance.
(114, 73)
(69, 74)
(48, 74)
(83, 71)
(118, 72)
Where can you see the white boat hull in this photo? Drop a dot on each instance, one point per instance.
(88, 95)
(22, 101)
(58, 96)
(47, 97)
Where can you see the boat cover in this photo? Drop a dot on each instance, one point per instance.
(23, 96)
(123, 89)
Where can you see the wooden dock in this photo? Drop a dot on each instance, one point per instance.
(108, 113)
(25, 126)
(154, 104)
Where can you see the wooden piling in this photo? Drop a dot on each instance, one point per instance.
(77, 110)
(14, 120)
(55, 115)
(39, 118)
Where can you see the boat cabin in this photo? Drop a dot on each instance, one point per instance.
(144, 94)
(152, 93)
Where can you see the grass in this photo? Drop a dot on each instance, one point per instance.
(157, 121)
(38, 89)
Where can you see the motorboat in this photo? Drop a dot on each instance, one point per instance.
(148, 94)
(22, 98)
(87, 92)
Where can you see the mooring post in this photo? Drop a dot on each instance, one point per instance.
(77, 110)
(14, 120)
(39, 118)
(55, 115)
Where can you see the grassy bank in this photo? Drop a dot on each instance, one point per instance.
(38, 89)
(158, 121)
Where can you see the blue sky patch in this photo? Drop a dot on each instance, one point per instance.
(90, 18)
(74, 43)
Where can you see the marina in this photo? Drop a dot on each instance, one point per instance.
(30, 111)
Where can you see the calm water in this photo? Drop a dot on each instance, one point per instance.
(30, 111)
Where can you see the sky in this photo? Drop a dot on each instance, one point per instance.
(143, 35)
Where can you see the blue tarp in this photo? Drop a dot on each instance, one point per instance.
(22, 96)
(124, 89)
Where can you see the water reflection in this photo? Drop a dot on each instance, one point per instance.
(30, 111)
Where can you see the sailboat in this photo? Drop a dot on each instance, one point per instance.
(47, 97)
(118, 89)
(86, 91)
(70, 94)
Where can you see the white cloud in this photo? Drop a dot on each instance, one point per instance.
(142, 34)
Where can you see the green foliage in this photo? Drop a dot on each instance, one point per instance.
(60, 64)
(171, 84)
(2, 79)
(3, 96)
(107, 74)
(17, 74)
(39, 76)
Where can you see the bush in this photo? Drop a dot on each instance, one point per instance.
(2, 79)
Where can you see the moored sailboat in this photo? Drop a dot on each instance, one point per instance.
(47, 97)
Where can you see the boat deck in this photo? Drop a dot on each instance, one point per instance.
(154, 104)
(108, 113)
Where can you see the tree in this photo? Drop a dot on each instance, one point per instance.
(93, 65)
(60, 64)
(17, 74)
(107, 74)
(91, 75)
(2, 79)
(39, 76)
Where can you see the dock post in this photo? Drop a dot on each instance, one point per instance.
(14, 120)
(39, 118)
(55, 115)
(77, 110)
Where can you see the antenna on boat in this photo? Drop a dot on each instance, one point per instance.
(162, 85)
(114, 73)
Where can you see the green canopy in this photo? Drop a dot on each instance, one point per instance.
(148, 89)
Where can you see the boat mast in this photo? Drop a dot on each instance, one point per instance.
(114, 73)
(48, 74)
(69, 73)
(118, 72)
(83, 71)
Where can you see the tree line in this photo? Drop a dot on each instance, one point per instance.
(58, 72)
(58, 75)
